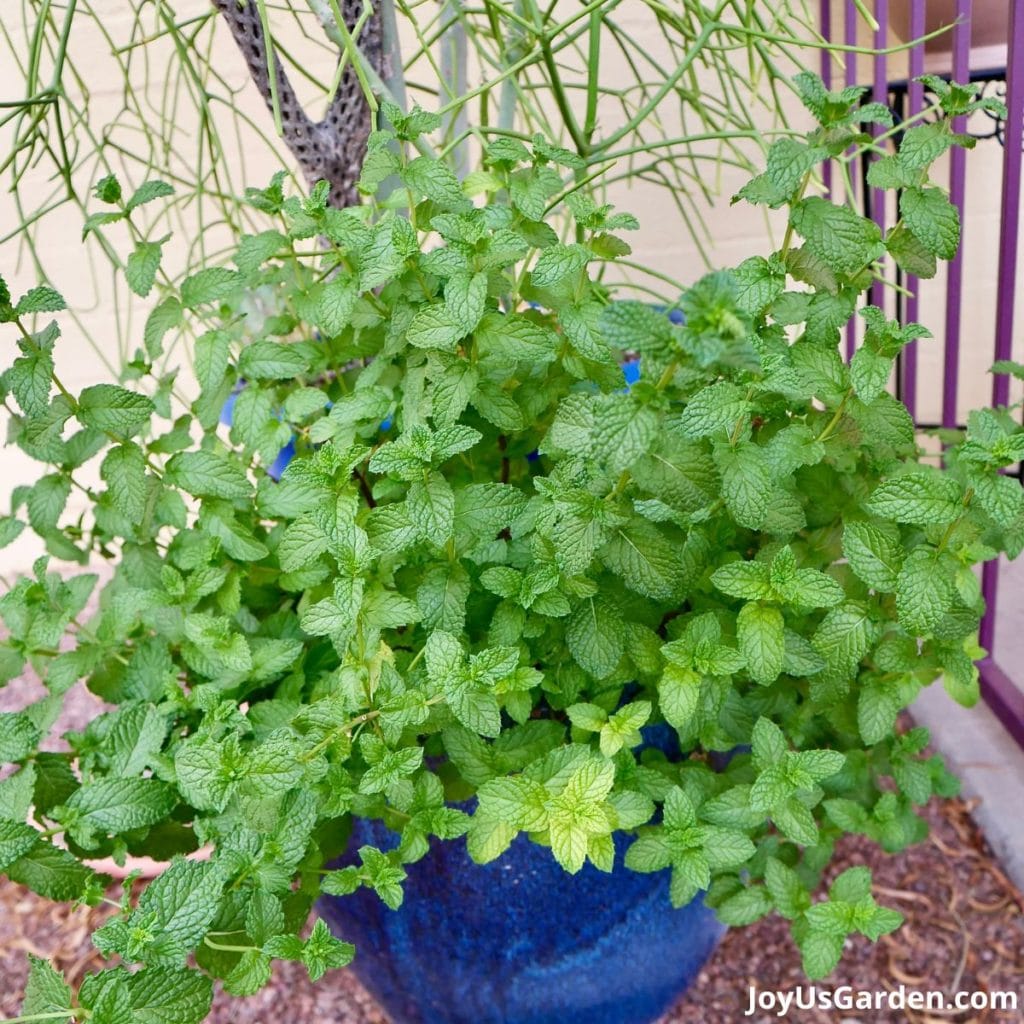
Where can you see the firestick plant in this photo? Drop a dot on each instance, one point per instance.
(490, 566)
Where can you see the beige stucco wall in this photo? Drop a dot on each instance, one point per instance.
(114, 318)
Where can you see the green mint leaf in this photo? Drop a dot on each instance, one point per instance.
(623, 432)
(581, 326)
(844, 239)
(16, 794)
(431, 507)
(18, 736)
(869, 373)
(209, 285)
(436, 181)
(788, 161)
(920, 498)
(441, 597)
(788, 893)
(679, 696)
(759, 283)
(108, 189)
(516, 338)
(474, 706)
(41, 299)
(817, 765)
(531, 189)
(795, 821)
(124, 471)
(558, 263)
(135, 738)
(576, 818)
(145, 193)
(161, 995)
(713, 410)
(746, 483)
(924, 592)
(587, 716)
(208, 474)
(878, 704)
(644, 558)
(843, 638)
(768, 742)
(46, 993)
(912, 256)
(649, 853)
(52, 872)
(184, 900)
(323, 952)
(30, 379)
(893, 172)
(114, 409)
(595, 637)
(690, 874)
(748, 905)
(820, 952)
(759, 631)
(271, 360)
(924, 144)
(205, 774)
(623, 728)
(874, 553)
(255, 250)
(319, 953)
(112, 806)
(807, 266)
(434, 327)
(852, 886)
(882, 921)
(108, 1001)
(933, 219)
(1008, 366)
(141, 267)
(212, 354)
(249, 975)
(389, 768)
(464, 298)
(336, 305)
(726, 848)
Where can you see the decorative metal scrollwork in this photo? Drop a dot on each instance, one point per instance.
(983, 124)
(996, 126)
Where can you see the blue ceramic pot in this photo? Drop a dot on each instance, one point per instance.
(519, 941)
(630, 368)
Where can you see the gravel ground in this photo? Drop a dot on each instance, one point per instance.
(964, 932)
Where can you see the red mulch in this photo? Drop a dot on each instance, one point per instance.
(964, 931)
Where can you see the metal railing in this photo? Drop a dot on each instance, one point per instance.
(893, 83)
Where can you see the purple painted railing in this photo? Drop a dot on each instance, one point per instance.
(915, 101)
(896, 73)
(957, 195)
(879, 94)
(850, 39)
(1005, 698)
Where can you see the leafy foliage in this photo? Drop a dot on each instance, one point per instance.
(487, 567)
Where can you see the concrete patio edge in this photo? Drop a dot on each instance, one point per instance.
(990, 766)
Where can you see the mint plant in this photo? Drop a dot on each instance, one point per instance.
(489, 566)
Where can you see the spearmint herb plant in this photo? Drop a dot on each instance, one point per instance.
(489, 565)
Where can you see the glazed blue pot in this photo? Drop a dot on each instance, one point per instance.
(520, 941)
(630, 369)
